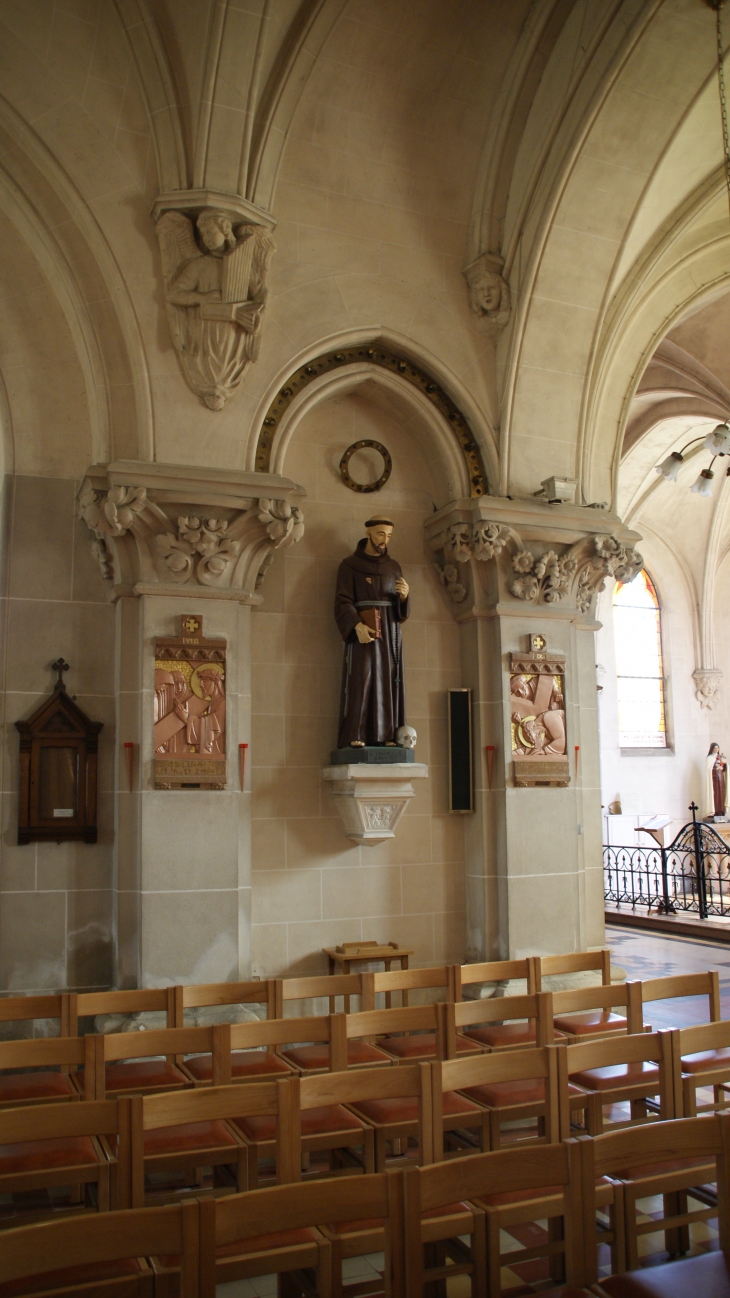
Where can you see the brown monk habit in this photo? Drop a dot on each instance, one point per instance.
(372, 703)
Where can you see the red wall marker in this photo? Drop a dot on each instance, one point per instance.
(242, 762)
(490, 762)
(129, 756)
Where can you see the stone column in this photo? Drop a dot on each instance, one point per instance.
(173, 541)
(515, 570)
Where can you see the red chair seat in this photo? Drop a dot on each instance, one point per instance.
(579, 1025)
(68, 1277)
(500, 1095)
(34, 1086)
(447, 1210)
(315, 1122)
(318, 1056)
(405, 1109)
(614, 1075)
(39, 1155)
(191, 1136)
(657, 1169)
(345, 1227)
(417, 1045)
(707, 1275)
(504, 1034)
(136, 1074)
(704, 1060)
(244, 1063)
(261, 1243)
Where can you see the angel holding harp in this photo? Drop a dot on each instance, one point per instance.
(215, 297)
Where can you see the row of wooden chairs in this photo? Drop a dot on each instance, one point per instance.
(431, 1223)
(107, 1064)
(360, 1117)
(275, 994)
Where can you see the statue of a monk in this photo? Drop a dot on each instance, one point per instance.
(371, 601)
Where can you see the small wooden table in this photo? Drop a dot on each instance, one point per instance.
(342, 958)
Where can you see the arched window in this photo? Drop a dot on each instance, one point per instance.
(637, 634)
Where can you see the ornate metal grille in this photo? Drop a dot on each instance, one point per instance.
(692, 874)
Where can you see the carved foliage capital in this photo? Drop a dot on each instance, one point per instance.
(140, 542)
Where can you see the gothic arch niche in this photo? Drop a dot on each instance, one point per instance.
(297, 662)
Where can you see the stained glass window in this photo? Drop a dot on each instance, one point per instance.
(637, 634)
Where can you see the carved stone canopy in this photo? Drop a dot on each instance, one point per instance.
(543, 557)
(173, 530)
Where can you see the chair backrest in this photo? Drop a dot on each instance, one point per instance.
(700, 984)
(209, 1104)
(498, 1009)
(18, 1009)
(643, 1047)
(275, 1033)
(626, 995)
(690, 1041)
(105, 1237)
(408, 980)
(414, 1018)
(260, 991)
(577, 962)
(65, 1121)
(493, 971)
(617, 1152)
(66, 1053)
(535, 1063)
(171, 1042)
(317, 987)
(138, 1000)
(429, 1188)
(359, 1084)
(291, 1207)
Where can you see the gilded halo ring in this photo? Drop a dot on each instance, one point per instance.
(370, 486)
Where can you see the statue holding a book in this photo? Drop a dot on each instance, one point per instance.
(371, 602)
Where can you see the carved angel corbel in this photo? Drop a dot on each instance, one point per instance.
(215, 298)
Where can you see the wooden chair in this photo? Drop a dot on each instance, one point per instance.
(550, 966)
(291, 1227)
(701, 1058)
(100, 1255)
(664, 989)
(316, 1056)
(707, 1275)
(132, 1063)
(404, 981)
(667, 1158)
(138, 1000)
(55, 1056)
(508, 1085)
(594, 1075)
(74, 1145)
(394, 1104)
(421, 1026)
(493, 971)
(477, 1196)
(326, 1126)
(29, 1009)
(260, 991)
(334, 986)
(190, 1130)
(255, 1049)
(587, 1013)
(498, 1023)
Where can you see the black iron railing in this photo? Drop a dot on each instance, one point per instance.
(692, 874)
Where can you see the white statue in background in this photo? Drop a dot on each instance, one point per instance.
(215, 298)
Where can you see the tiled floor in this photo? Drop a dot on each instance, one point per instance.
(649, 955)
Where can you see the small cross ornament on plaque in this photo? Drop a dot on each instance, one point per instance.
(60, 666)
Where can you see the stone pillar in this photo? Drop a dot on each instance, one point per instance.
(174, 541)
(515, 570)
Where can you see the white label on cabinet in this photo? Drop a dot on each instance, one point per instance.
(63, 811)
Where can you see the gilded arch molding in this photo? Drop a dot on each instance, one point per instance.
(396, 365)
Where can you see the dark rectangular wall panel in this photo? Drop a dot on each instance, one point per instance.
(461, 795)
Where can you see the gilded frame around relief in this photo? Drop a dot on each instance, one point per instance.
(537, 717)
(190, 709)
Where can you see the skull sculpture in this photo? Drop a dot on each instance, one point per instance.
(406, 737)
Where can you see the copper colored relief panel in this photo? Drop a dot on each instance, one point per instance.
(537, 714)
(190, 709)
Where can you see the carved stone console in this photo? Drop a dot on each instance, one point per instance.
(372, 796)
(163, 529)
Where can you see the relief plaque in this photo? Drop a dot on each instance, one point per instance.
(190, 709)
(537, 714)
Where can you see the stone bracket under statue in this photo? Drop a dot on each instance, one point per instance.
(371, 788)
